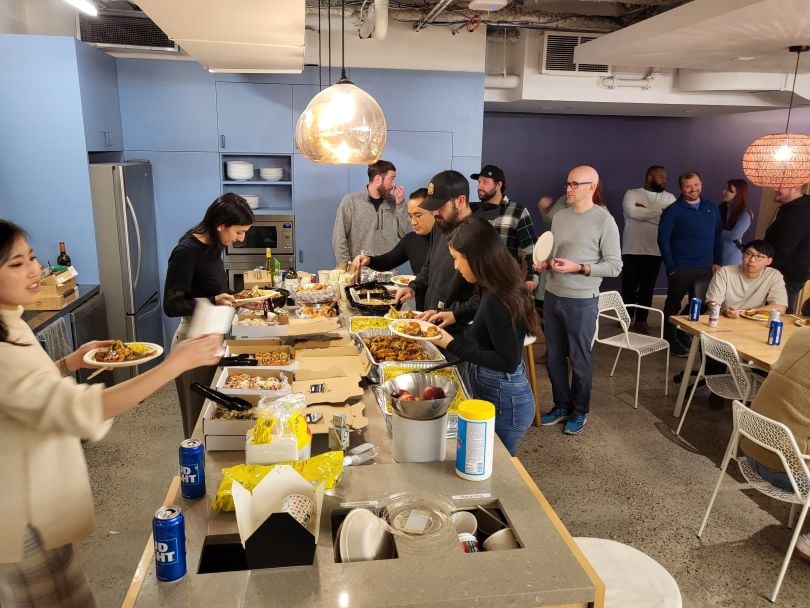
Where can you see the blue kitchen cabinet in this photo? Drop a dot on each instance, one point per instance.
(167, 105)
(255, 118)
(318, 191)
(98, 83)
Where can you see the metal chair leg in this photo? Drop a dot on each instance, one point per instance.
(613, 369)
(789, 552)
(638, 379)
(689, 401)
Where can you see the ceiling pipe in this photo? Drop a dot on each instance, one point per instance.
(380, 19)
(434, 12)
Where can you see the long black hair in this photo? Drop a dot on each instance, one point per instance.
(9, 234)
(495, 268)
(739, 204)
(227, 210)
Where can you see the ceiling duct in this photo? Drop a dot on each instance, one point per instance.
(123, 30)
(558, 55)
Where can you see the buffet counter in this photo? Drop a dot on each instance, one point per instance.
(548, 570)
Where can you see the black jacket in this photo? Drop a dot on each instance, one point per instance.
(789, 233)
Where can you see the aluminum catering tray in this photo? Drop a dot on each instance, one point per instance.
(434, 355)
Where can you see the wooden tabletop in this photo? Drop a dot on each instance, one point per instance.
(750, 338)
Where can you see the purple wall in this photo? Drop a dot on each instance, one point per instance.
(536, 151)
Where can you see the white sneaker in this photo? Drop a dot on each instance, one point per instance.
(803, 546)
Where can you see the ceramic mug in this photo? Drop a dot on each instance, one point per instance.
(300, 507)
(501, 540)
(464, 522)
(468, 542)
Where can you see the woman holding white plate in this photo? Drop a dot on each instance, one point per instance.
(44, 415)
(493, 344)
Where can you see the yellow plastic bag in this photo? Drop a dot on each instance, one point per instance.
(326, 468)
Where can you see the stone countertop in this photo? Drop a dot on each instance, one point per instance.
(547, 571)
(38, 319)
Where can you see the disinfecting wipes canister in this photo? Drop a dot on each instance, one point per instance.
(476, 439)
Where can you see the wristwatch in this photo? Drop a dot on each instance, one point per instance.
(581, 269)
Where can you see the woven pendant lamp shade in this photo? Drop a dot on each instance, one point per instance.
(778, 160)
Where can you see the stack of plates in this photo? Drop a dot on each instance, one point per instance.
(271, 174)
(239, 170)
(252, 200)
(364, 537)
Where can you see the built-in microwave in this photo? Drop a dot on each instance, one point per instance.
(275, 231)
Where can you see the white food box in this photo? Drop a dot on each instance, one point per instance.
(229, 371)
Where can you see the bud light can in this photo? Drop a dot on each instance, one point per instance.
(169, 532)
(775, 333)
(192, 468)
(694, 309)
(714, 314)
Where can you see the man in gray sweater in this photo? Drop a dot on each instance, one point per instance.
(372, 220)
(586, 248)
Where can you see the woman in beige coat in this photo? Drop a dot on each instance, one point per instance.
(44, 415)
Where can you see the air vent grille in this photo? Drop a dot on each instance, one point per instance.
(124, 29)
(558, 55)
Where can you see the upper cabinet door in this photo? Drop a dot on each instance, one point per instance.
(98, 82)
(255, 118)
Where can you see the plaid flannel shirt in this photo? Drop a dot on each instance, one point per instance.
(514, 225)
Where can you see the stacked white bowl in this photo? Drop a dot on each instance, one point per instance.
(271, 174)
(239, 170)
(252, 200)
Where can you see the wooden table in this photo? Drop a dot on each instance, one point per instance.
(750, 338)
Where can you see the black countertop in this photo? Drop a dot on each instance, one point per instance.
(38, 319)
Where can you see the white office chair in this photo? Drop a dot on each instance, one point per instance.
(640, 344)
(777, 438)
(739, 384)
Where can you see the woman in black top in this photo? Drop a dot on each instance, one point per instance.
(494, 343)
(413, 247)
(196, 270)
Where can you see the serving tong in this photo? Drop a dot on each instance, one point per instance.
(243, 360)
(227, 401)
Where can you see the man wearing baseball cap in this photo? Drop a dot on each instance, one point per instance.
(510, 219)
(448, 297)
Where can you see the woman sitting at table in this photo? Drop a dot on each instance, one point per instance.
(494, 343)
(785, 397)
(44, 414)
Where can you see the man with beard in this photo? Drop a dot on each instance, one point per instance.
(372, 220)
(448, 297)
(789, 233)
(691, 242)
(510, 219)
(641, 256)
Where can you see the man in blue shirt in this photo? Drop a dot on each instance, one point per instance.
(690, 239)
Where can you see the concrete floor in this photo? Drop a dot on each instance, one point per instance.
(626, 477)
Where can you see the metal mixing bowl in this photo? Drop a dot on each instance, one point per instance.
(414, 383)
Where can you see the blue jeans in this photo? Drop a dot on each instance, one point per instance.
(569, 327)
(511, 394)
(779, 479)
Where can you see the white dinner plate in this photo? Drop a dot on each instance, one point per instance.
(256, 299)
(745, 315)
(403, 279)
(543, 247)
(89, 356)
(422, 324)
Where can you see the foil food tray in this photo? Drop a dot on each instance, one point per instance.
(434, 354)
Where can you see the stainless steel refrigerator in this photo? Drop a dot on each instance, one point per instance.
(126, 241)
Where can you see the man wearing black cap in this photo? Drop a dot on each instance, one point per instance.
(448, 297)
(510, 219)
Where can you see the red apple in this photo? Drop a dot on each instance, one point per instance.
(432, 392)
(407, 397)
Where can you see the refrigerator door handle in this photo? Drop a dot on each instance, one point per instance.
(138, 240)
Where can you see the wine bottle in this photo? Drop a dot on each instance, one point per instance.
(291, 274)
(64, 258)
(268, 260)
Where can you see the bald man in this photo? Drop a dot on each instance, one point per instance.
(586, 248)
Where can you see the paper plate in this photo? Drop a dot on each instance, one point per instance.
(366, 538)
(390, 315)
(758, 317)
(267, 296)
(403, 279)
(802, 322)
(424, 325)
(89, 356)
(543, 247)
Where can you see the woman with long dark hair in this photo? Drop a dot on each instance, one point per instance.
(737, 218)
(494, 343)
(44, 415)
(196, 270)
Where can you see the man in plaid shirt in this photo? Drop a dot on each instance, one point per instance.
(510, 219)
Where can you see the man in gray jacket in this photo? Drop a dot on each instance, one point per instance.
(372, 220)
(586, 248)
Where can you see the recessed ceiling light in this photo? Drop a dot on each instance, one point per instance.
(744, 58)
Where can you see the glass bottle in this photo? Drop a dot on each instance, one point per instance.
(64, 258)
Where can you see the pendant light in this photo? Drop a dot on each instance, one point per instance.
(781, 159)
(342, 124)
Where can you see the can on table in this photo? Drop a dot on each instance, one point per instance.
(714, 314)
(192, 468)
(775, 333)
(169, 532)
(694, 308)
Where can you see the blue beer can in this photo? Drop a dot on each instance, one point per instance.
(775, 333)
(694, 309)
(192, 468)
(169, 532)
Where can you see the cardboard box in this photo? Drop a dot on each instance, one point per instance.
(329, 341)
(335, 389)
(54, 302)
(356, 364)
(354, 416)
(260, 331)
(270, 345)
(58, 284)
(257, 278)
(266, 372)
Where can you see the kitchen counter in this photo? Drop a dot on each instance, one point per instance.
(549, 570)
(38, 319)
